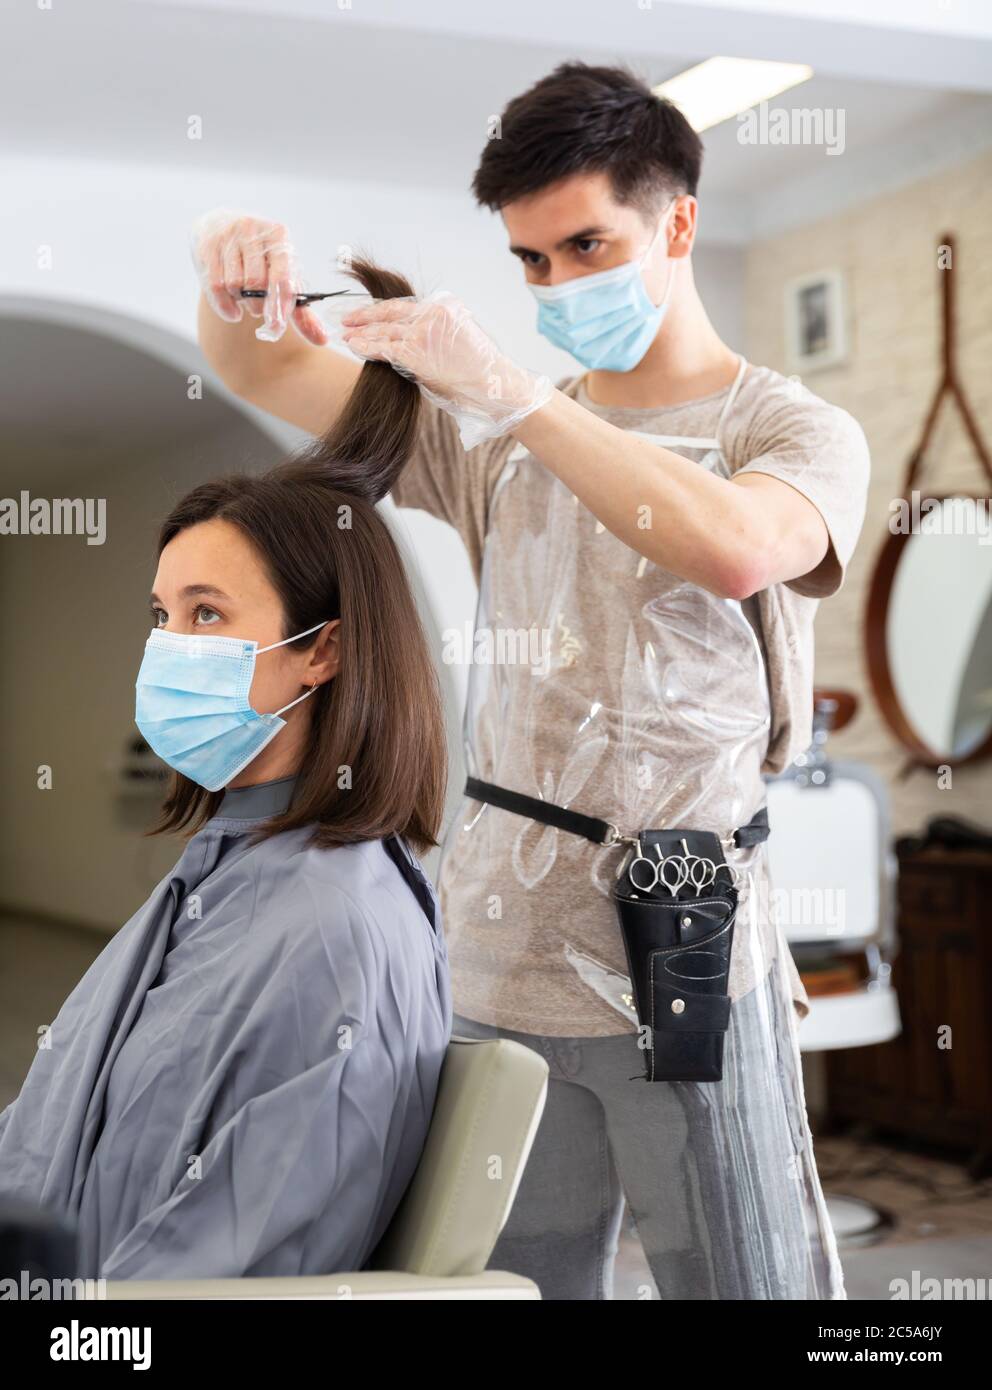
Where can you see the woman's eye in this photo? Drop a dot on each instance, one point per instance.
(159, 617)
(212, 615)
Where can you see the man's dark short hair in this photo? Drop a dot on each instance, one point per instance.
(582, 119)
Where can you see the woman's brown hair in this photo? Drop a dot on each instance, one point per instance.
(376, 761)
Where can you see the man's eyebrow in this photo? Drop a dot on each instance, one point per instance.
(193, 589)
(584, 235)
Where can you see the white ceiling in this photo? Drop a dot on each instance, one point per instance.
(401, 94)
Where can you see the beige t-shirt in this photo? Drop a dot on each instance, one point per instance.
(533, 938)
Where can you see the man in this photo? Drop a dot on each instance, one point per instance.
(666, 524)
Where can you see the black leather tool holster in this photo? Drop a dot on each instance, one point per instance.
(678, 955)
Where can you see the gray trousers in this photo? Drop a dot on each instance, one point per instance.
(719, 1177)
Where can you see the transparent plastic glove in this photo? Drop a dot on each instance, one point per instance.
(455, 363)
(233, 251)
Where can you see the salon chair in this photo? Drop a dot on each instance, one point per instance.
(489, 1103)
(831, 835)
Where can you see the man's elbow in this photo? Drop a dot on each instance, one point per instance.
(740, 576)
(751, 571)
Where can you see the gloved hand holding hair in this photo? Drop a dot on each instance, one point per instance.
(456, 364)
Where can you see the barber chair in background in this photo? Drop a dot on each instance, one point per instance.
(834, 877)
(489, 1104)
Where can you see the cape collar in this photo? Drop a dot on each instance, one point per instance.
(257, 802)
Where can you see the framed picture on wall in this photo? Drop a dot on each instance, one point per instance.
(815, 321)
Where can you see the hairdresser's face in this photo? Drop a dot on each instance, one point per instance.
(576, 227)
(211, 580)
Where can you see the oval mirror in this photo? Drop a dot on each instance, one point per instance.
(929, 633)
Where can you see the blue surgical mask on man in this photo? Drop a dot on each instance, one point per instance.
(191, 703)
(605, 320)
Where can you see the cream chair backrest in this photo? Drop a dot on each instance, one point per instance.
(489, 1102)
(832, 869)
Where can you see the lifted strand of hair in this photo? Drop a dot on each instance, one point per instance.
(366, 448)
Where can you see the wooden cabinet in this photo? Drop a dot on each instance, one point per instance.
(934, 1081)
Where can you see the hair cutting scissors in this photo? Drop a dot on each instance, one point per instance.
(301, 298)
(674, 871)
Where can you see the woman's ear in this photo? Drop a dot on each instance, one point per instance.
(325, 656)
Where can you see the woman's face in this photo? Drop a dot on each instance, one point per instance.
(211, 580)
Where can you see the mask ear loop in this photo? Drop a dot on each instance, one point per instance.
(306, 693)
(292, 639)
(304, 696)
(671, 270)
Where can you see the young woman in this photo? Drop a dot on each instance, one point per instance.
(242, 1082)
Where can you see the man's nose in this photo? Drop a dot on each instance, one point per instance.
(559, 273)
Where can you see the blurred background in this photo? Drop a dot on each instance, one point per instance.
(831, 212)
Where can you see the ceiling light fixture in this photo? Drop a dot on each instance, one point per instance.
(719, 88)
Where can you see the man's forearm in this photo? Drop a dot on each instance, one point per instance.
(236, 355)
(290, 378)
(664, 506)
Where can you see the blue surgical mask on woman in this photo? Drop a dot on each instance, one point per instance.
(192, 705)
(605, 320)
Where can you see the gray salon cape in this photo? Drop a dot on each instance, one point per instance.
(242, 1082)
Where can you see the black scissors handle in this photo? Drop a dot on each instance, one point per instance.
(300, 298)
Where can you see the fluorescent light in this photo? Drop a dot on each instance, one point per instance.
(723, 87)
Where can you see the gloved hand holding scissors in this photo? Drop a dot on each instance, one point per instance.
(244, 261)
(454, 361)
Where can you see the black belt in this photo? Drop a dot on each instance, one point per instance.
(600, 832)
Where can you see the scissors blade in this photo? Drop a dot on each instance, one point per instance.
(300, 298)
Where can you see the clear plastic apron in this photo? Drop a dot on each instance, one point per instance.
(605, 684)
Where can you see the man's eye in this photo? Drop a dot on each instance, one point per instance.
(586, 245)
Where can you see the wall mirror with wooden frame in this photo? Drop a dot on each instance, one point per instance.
(928, 627)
